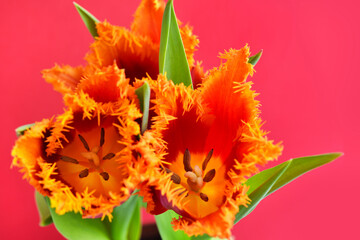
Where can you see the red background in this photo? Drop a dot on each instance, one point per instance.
(307, 77)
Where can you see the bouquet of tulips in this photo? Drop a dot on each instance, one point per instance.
(145, 126)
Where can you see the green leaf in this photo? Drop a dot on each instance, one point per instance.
(44, 212)
(126, 223)
(298, 167)
(206, 237)
(143, 94)
(293, 169)
(72, 226)
(163, 222)
(22, 129)
(89, 20)
(258, 194)
(254, 59)
(135, 223)
(172, 57)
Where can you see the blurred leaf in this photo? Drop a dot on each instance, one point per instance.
(89, 20)
(72, 226)
(135, 227)
(163, 222)
(254, 59)
(258, 194)
(44, 212)
(294, 168)
(22, 129)
(172, 57)
(206, 237)
(126, 223)
(143, 94)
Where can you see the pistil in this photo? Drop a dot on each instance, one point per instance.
(195, 179)
(92, 156)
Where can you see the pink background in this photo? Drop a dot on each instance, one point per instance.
(308, 80)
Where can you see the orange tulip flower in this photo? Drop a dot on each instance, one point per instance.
(85, 159)
(135, 50)
(214, 142)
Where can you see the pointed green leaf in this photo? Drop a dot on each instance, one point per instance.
(254, 59)
(127, 219)
(163, 222)
(294, 168)
(143, 94)
(89, 20)
(258, 194)
(44, 212)
(22, 129)
(172, 57)
(298, 167)
(72, 226)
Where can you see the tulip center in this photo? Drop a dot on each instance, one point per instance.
(203, 178)
(90, 161)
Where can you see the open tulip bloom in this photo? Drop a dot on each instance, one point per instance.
(144, 126)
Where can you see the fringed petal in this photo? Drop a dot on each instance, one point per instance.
(197, 75)
(190, 42)
(234, 104)
(63, 78)
(28, 152)
(219, 223)
(136, 54)
(107, 84)
(148, 19)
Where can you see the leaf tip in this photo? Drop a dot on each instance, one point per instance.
(254, 59)
(337, 154)
(89, 19)
(78, 7)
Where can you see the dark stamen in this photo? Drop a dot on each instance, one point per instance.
(209, 176)
(84, 173)
(175, 178)
(182, 193)
(69, 159)
(105, 175)
(204, 197)
(186, 161)
(207, 159)
(102, 137)
(82, 139)
(109, 156)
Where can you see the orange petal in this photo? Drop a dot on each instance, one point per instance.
(136, 54)
(219, 223)
(190, 42)
(64, 79)
(148, 19)
(197, 74)
(234, 103)
(28, 152)
(107, 84)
